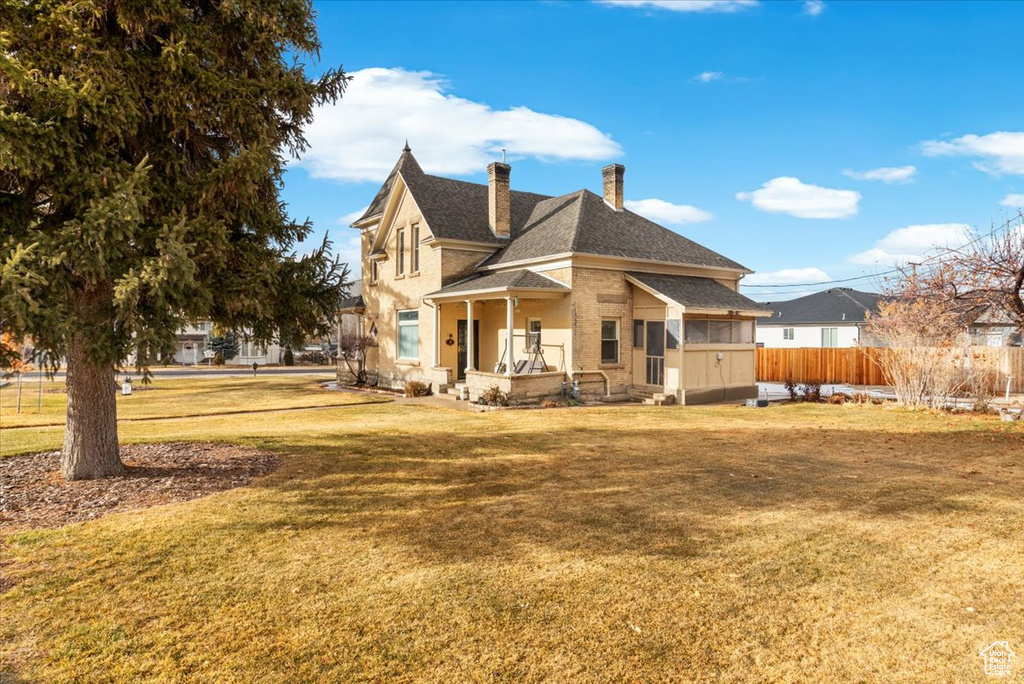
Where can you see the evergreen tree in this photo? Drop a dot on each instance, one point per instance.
(224, 344)
(142, 145)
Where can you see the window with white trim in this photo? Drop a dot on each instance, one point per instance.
(830, 337)
(533, 328)
(414, 249)
(609, 340)
(409, 334)
(788, 334)
(400, 252)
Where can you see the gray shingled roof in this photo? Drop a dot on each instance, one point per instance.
(697, 293)
(457, 210)
(838, 305)
(541, 226)
(504, 280)
(406, 163)
(582, 223)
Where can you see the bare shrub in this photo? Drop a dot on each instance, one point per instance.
(791, 387)
(415, 388)
(812, 392)
(927, 354)
(493, 396)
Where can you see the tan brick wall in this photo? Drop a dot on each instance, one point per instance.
(599, 294)
(393, 293)
(458, 264)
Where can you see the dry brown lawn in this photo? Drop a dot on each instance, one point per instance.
(404, 543)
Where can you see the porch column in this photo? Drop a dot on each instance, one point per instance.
(437, 334)
(469, 335)
(509, 310)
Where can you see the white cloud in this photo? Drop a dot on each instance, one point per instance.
(913, 243)
(709, 76)
(814, 7)
(686, 5)
(666, 212)
(787, 276)
(1001, 152)
(886, 174)
(348, 248)
(786, 195)
(348, 218)
(1013, 200)
(359, 137)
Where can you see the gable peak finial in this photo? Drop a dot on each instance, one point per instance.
(407, 148)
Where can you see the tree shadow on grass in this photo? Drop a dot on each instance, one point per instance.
(457, 498)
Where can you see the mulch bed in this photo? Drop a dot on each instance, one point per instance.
(33, 494)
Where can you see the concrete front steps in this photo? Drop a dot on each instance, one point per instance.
(652, 397)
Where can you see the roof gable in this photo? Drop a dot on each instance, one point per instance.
(582, 223)
(541, 226)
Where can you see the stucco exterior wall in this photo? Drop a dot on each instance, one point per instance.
(805, 335)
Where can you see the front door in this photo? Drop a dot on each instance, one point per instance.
(655, 349)
(464, 344)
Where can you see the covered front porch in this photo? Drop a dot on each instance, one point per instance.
(507, 330)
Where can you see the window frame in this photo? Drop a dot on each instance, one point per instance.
(833, 335)
(789, 334)
(638, 337)
(414, 249)
(617, 340)
(401, 326)
(374, 271)
(400, 252)
(530, 333)
(669, 324)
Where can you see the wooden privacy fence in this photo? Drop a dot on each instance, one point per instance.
(859, 366)
(854, 365)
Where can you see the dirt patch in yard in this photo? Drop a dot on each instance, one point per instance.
(34, 495)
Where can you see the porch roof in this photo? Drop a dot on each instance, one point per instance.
(352, 305)
(502, 283)
(697, 294)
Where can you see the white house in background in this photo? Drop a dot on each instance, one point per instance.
(190, 348)
(833, 318)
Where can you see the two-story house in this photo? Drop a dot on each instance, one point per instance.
(474, 285)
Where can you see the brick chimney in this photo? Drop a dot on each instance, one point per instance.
(499, 211)
(613, 185)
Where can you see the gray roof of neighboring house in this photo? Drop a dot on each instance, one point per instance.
(697, 293)
(579, 222)
(837, 305)
(503, 280)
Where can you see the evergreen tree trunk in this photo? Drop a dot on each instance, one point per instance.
(90, 437)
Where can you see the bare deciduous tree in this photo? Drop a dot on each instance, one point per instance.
(352, 348)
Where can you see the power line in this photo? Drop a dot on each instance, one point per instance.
(938, 256)
(825, 282)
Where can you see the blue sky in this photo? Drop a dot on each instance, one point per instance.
(807, 140)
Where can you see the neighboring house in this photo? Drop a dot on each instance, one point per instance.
(838, 318)
(479, 286)
(833, 318)
(992, 327)
(190, 348)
